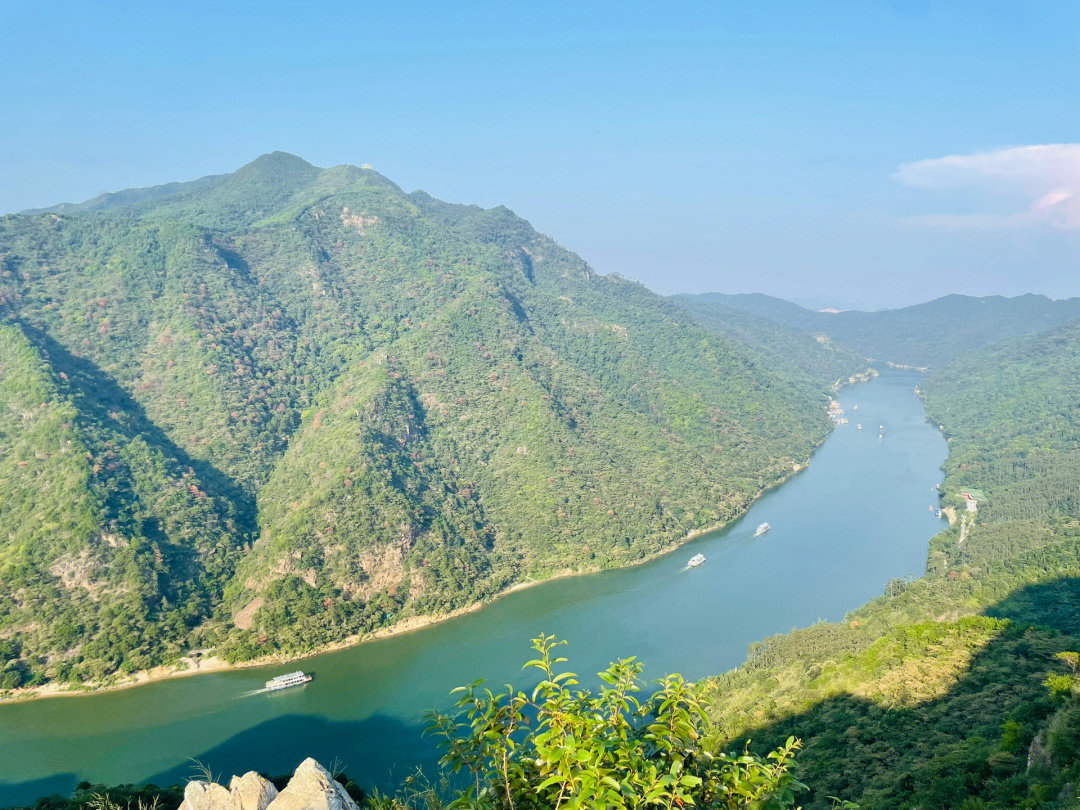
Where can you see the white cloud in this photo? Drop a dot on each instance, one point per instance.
(1047, 175)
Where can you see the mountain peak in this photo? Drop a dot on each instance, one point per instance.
(277, 164)
(278, 158)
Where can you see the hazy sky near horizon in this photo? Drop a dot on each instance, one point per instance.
(864, 154)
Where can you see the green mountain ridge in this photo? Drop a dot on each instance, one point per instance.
(926, 335)
(277, 165)
(803, 357)
(315, 405)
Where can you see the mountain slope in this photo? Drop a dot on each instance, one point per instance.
(378, 405)
(801, 358)
(951, 691)
(113, 544)
(924, 335)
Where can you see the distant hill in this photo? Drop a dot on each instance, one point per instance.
(270, 409)
(924, 335)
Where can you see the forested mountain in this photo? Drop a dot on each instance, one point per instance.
(924, 336)
(270, 409)
(961, 689)
(802, 358)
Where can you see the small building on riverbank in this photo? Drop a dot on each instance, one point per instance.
(971, 498)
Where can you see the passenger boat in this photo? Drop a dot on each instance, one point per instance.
(285, 681)
(764, 527)
(696, 560)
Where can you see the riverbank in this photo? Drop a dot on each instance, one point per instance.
(189, 665)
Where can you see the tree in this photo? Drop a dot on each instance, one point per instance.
(564, 747)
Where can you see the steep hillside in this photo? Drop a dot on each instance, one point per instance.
(768, 307)
(925, 335)
(307, 405)
(113, 547)
(956, 690)
(803, 359)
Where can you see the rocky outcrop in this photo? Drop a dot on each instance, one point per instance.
(1038, 757)
(251, 791)
(207, 796)
(311, 788)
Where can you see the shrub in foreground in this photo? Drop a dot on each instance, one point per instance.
(560, 746)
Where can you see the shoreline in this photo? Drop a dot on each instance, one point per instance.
(410, 624)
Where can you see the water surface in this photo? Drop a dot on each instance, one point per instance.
(855, 518)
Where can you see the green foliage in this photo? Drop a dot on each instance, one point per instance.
(119, 797)
(806, 363)
(272, 409)
(560, 746)
(107, 559)
(958, 689)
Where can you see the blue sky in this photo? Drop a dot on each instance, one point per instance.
(852, 154)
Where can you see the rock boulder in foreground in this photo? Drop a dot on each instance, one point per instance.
(311, 788)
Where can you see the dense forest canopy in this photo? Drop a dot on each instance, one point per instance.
(267, 410)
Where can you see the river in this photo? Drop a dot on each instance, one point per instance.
(855, 518)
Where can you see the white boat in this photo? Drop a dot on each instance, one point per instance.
(285, 681)
(858, 427)
(696, 560)
(760, 530)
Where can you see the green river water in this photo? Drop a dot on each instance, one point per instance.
(855, 518)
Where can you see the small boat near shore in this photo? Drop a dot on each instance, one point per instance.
(760, 530)
(286, 681)
(696, 560)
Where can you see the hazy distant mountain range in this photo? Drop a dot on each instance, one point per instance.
(924, 335)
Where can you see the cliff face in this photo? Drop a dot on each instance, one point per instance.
(311, 788)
